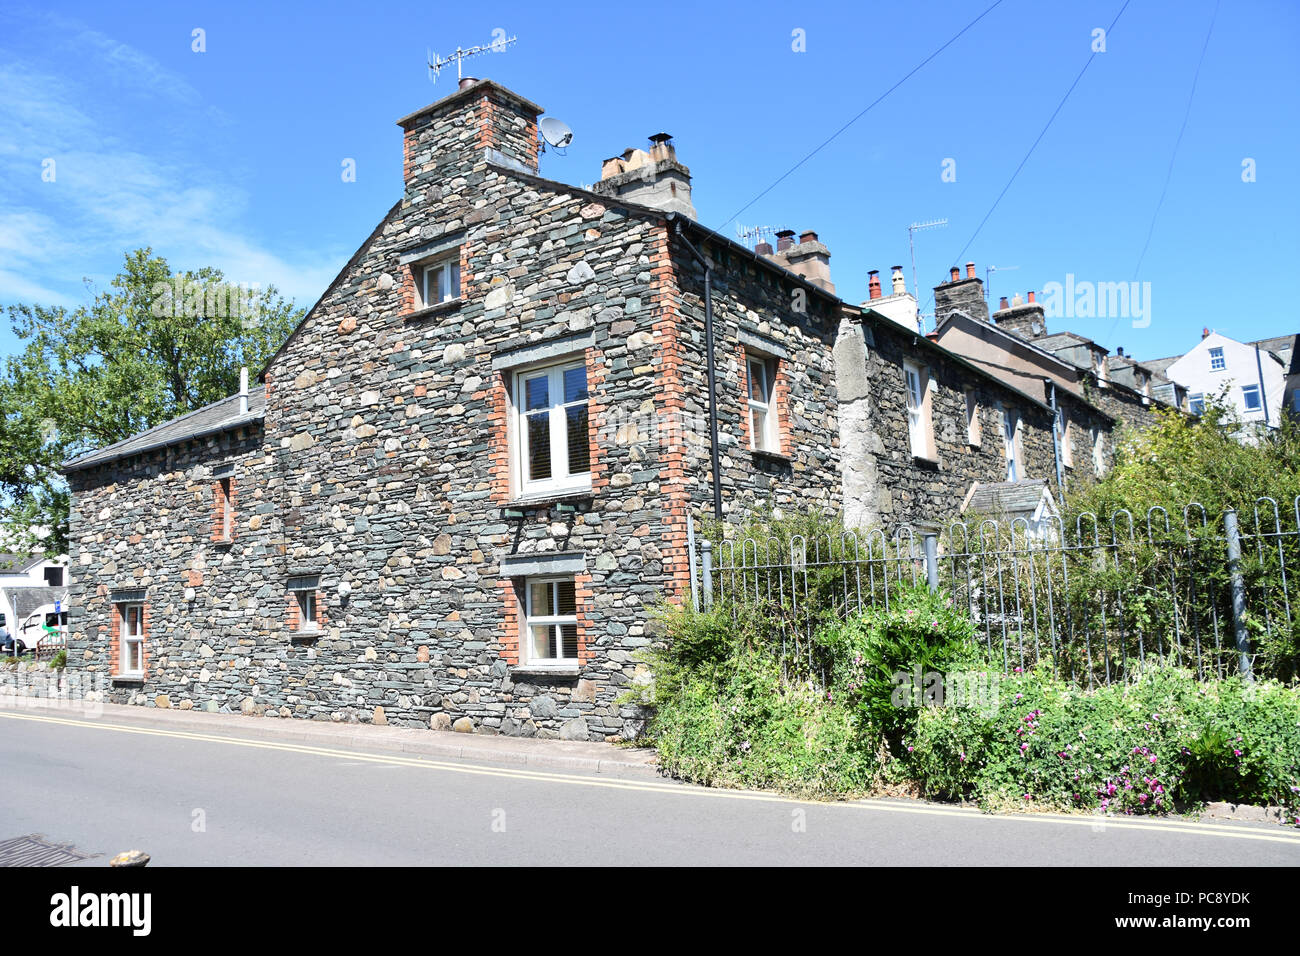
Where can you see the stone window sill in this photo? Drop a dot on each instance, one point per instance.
(538, 502)
(536, 670)
(431, 310)
(930, 464)
(772, 456)
(128, 680)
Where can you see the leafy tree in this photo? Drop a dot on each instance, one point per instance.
(153, 346)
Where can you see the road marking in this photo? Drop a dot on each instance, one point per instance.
(1190, 828)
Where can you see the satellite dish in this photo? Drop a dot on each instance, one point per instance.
(556, 132)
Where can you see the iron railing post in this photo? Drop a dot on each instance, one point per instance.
(706, 550)
(1233, 534)
(931, 544)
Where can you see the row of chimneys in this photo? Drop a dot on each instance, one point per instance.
(784, 240)
(873, 282)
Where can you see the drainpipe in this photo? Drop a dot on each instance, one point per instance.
(1263, 396)
(1056, 437)
(712, 372)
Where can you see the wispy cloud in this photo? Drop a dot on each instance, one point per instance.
(111, 193)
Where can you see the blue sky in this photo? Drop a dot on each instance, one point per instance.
(232, 157)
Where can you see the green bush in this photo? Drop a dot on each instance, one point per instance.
(59, 660)
(881, 659)
(1162, 740)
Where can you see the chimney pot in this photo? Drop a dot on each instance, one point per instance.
(1031, 298)
(243, 390)
(873, 284)
(1120, 351)
(763, 248)
(784, 239)
(1003, 304)
(955, 273)
(466, 82)
(900, 284)
(807, 236)
(1205, 332)
(970, 270)
(1016, 300)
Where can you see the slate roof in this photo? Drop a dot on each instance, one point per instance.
(18, 563)
(29, 599)
(1012, 498)
(220, 416)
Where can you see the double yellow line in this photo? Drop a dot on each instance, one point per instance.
(1190, 828)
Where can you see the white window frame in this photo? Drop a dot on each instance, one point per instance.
(768, 438)
(1218, 361)
(973, 428)
(1063, 436)
(1251, 390)
(1010, 439)
(127, 639)
(531, 620)
(1196, 403)
(445, 269)
(308, 609)
(561, 479)
(1098, 450)
(918, 424)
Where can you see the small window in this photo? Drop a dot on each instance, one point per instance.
(551, 625)
(1098, 450)
(1010, 436)
(919, 428)
(53, 577)
(1250, 396)
(131, 640)
(308, 620)
(552, 428)
(972, 418)
(1217, 362)
(762, 417)
(224, 519)
(1063, 436)
(1196, 402)
(438, 281)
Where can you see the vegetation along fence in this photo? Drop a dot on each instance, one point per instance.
(1094, 595)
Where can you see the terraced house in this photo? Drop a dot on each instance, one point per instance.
(455, 492)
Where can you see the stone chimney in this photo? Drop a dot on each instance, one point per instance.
(960, 294)
(807, 257)
(1025, 319)
(651, 177)
(481, 120)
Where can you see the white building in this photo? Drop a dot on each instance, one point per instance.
(1252, 376)
(28, 583)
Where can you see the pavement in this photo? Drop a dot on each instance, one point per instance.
(203, 789)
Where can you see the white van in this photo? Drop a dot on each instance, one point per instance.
(47, 626)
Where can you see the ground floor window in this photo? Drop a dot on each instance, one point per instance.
(131, 640)
(551, 625)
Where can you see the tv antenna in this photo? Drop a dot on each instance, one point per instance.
(912, 230)
(436, 63)
(752, 235)
(988, 286)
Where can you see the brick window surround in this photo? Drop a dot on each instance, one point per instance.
(293, 612)
(778, 402)
(224, 495)
(514, 599)
(116, 626)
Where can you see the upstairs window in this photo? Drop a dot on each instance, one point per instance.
(920, 429)
(1250, 397)
(53, 577)
(438, 281)
(972, 418)
(551, 625)
(1063, 437)
(1217, 362)
(223, 507)
(762, 417)
(1011, 443)
(1098, 450)
(552, 428)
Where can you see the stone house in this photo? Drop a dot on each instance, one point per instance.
(463, 482)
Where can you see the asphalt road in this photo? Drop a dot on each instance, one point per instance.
(237, 800)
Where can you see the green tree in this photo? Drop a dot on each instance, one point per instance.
(155, 345)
